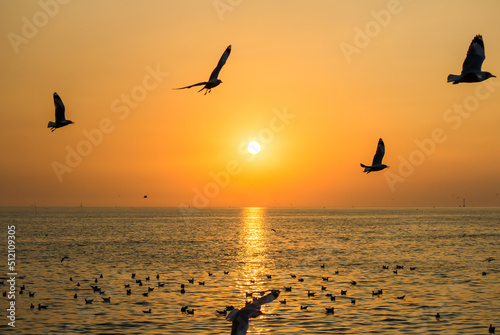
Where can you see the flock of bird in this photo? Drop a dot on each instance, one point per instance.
(471, 73)
(240, 318)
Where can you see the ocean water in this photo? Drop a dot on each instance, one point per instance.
(449, 248)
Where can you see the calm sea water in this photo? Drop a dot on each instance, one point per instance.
(448, 247)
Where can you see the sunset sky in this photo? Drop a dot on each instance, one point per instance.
(317, 83)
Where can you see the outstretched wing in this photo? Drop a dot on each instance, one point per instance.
(181, 88)
(222, 61)
(59, 108)
(475, 56)
(377, 159)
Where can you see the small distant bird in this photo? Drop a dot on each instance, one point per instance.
(377, 159)
(31, 295)
(129, 291)
(269, 276)
(184, 309)
(223, 312)
(42, 307)
(353, 301)
(60, 118)
(342, 292)
(126, 285)
(33, 306)
(310, 294)
(226, 272)
(147, 278)
(274, 230)
(484, 273)
(293, 276)
(161, 284)
(133, 275)
(78, 284)
(413, 268)
(190, 311)
(325, 278)
(65, 257)
(283, 301)
(150, 289)
(332, 298)
(288, 289)
(191, 281)
(322, 266)
(401, 297)
(323, 288)
(385, 267)
(201, 283)
(400, 266)
(300, 279)
(471, 68)
(491, 329)
(148, 311)
(89, 301)
(101, 276)
(437, 316)
(353, 282)
(240, 317)
(145, 197)
(157, 276)
(213, 81)
(75, 296)
(106, 300)
(303, 307)
(145, 294)
(395, 271)
(330, 310)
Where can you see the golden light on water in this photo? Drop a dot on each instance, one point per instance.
(253, 246)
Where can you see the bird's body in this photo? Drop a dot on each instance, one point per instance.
(213, 81)
(60, 116)
(240, 317)
(377, 159)
(471, 68)
(491, 329)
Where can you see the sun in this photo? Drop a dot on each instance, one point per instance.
(253, 147)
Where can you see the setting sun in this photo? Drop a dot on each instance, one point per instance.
(253, 147)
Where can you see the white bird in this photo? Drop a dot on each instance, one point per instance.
(213, 81)
(60, 118)
(240, 317)
(377, 159)
(471, 69)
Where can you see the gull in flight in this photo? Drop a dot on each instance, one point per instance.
(471, 69)
(377, 159)
(240, 317)
(60, 118)
(213, 81)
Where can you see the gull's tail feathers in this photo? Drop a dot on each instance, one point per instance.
(51, 124)
(453, 77)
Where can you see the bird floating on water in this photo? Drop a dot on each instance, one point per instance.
(491, 329)
(377, 159)
(471, 68)
(240, 317)
(213, 81)
(60, 117)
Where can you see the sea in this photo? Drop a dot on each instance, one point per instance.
(425, 260)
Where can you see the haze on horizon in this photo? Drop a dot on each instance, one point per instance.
(316, 83)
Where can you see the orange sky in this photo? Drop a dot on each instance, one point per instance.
(316, 82)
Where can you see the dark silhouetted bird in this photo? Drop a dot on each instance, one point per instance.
(213, 81)
(60, 119)
(471, 68)
(377, 159)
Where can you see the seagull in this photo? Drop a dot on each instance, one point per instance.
(60, 118)
(491, 329)
(377, 159)
(240, 317)
(65, 257)
(213, 81)
(471, 69)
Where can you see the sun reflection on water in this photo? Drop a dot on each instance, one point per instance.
(252, 253)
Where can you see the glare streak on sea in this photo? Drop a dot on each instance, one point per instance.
(448, 248)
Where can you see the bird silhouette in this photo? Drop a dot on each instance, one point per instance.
(377, 159)
(471, 68)
(213, 81)
(60, 117)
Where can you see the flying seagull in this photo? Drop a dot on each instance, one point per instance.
(60, 118)
(240, 317)
(213, 81)
(471, 69)
(377, 159)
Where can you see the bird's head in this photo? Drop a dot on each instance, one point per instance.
(488, 75)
